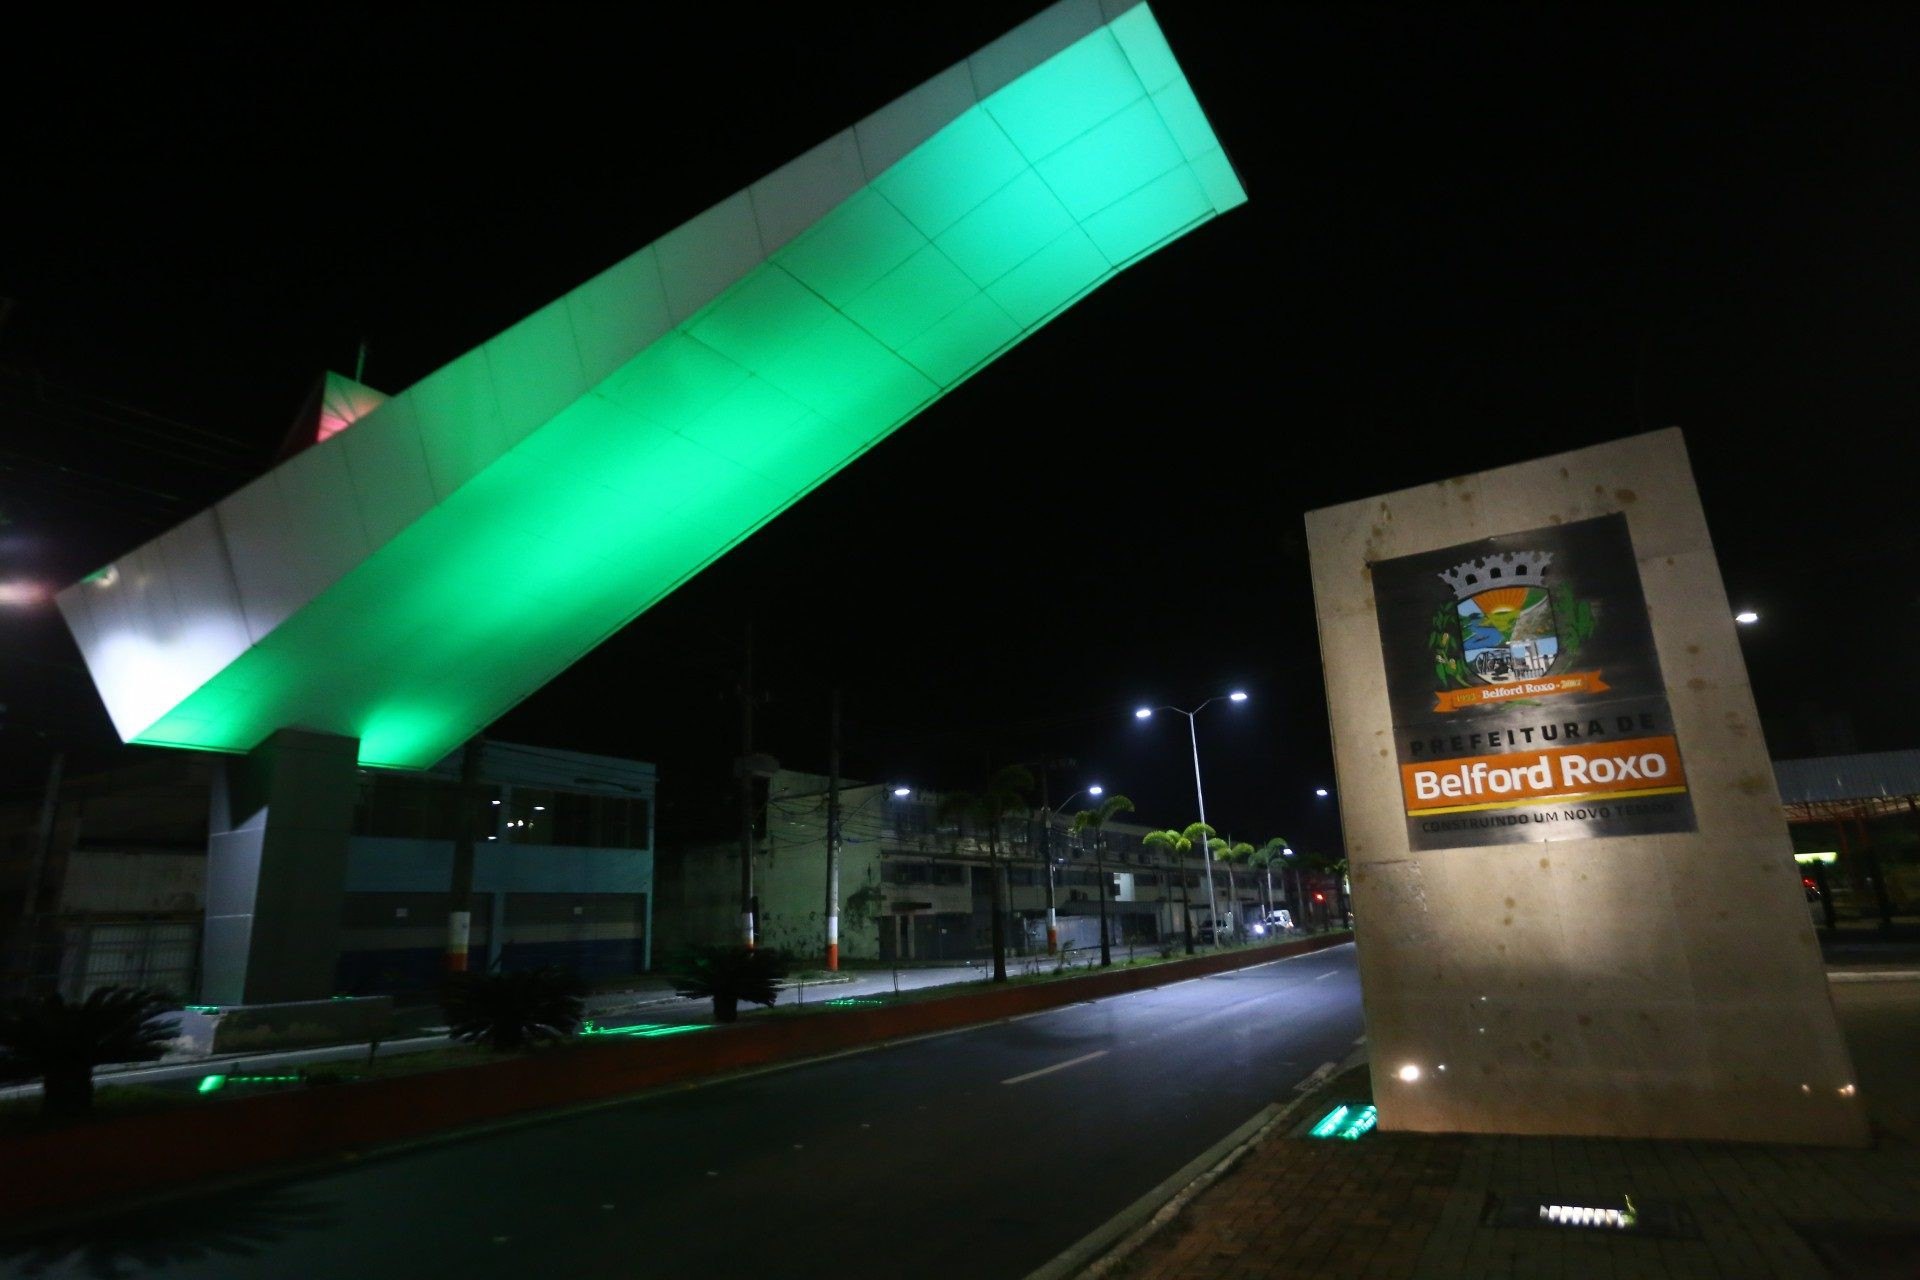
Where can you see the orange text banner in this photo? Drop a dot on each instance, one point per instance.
(1545, 687)
(1634, 766)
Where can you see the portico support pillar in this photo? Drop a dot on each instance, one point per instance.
(276, 869)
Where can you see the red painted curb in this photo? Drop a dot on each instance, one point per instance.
(140, 1155)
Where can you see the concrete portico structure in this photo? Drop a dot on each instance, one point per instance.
(1636, 960)
(415, 572)
(432, 557)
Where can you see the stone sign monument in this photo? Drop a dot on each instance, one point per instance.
(1577, 906)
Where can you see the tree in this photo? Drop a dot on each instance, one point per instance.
(1268, 856)
(1176, 845)
(1093, 820)
(986, 811)
(513, 1010)
(59, 1043)
(1228, 855)
(1202, 836)
(728, 975)
(1328, 865)
(1261, 860)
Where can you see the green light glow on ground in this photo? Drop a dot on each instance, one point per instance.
(853, 1002)
(646, 1030)
(213, 1084)
(1345, 1121)
(411, 578)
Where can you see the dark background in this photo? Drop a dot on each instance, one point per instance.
(1475, 236)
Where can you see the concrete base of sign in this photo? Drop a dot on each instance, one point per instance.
(1657, 986)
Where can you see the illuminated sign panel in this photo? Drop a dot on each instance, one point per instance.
(414, 574)
(1526, 693)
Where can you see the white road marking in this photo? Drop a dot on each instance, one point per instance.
(1328, 974)
(1361, 1040)
(1058, 1066)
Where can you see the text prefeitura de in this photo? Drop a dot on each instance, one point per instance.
(1533, 735)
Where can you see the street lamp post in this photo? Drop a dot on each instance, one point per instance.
(1199, 794)
(1046, 843)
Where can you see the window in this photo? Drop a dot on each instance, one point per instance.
(414, 809)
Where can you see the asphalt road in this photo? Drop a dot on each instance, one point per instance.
(977, 1154)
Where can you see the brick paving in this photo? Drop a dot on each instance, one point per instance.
(1396, 1206)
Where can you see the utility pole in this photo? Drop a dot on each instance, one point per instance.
(833, 839)
(1206, 842)
(1046, 767)
(29, 936)
(1106, 882)
(1046, 854)
(460, 896)
(745, 771)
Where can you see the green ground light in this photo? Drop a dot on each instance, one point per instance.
(1345, 1121)
(415, 574)
(213, 1084)
(647, 1030)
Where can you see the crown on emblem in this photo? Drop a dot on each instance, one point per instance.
(1508, 569)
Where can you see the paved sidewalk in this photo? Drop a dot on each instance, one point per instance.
(1415, 1206)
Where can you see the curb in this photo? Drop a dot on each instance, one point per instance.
(1876, 975)
(1109, 1245)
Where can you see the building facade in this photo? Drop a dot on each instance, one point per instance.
(917, 886)
(563, 873)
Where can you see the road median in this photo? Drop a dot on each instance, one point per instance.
(105, 1161)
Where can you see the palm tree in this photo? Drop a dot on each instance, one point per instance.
(728, 975)
(1176, 846)
(1261, 860)
(986, 811)
(513, 1010)
(1229, 854)
(60, 1043)
(1093, 820)
(1203, 836)
(1272, 853)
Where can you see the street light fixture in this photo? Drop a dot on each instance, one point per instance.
(23, 595)
(902, 792)
(1199, 794)
(1746, 617)
(1320, 791)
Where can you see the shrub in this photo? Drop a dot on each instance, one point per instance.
(728, 975)
(513, 1010)
(59, 1043)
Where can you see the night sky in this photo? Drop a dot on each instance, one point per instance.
(1474, 237)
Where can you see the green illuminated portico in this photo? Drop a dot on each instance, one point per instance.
(421, 568)
(408, 579)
